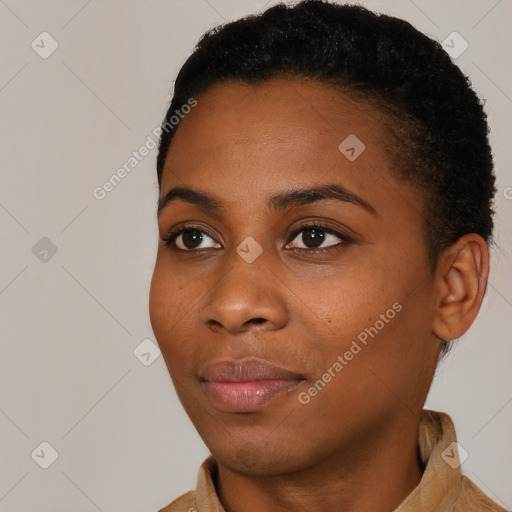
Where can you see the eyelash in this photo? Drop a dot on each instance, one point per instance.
(171, 236)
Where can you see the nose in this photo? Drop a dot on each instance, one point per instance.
(246, 296)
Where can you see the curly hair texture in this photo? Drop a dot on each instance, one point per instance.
(437, 125)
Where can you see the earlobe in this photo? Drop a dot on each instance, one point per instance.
(461, 280)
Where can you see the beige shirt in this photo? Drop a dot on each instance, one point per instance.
(442, 486)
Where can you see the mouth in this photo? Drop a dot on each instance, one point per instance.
(246, 385)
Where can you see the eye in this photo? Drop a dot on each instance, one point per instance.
(190, 238)
(316, 236)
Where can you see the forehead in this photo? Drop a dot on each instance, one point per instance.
(279, 123)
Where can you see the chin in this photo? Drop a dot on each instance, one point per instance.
(252, 462)
(259, 458)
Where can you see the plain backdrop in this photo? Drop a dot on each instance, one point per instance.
(79, 368)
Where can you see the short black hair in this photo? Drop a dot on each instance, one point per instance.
(437, 124)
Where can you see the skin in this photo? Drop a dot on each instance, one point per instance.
(354, 445)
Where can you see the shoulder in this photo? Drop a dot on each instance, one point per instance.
(472, 498)
(184, 503)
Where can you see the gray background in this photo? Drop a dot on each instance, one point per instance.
(71, 321)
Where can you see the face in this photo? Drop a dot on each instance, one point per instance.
(292, 296)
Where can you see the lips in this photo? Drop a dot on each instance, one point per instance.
(248, 384)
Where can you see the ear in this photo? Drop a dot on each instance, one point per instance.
(461, 277)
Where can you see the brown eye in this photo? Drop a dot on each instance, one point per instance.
(190, 239)
(316, 237)
(313, 237)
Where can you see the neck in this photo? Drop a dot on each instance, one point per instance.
(367, 477)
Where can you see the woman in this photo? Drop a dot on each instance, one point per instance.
(326, 187)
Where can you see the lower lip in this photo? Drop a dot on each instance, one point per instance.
(247, 396)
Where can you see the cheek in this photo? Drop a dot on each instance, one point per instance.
(170, 304)
(376, 319)
(346, 301)
(388, 357)
(160, 303)
(364, 373)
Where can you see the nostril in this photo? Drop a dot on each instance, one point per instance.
(256, 321)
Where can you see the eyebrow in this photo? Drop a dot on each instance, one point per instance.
(196, 197)
(279, 202)
(305, 196)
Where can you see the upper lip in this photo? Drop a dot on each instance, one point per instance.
(247, 370)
